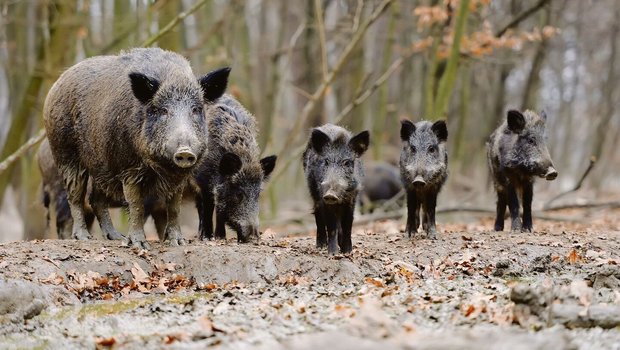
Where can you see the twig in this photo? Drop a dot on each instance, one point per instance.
(318, 9)
(150, 41)
(320, 91)
(609, 205)
(21, 150)
(577, 186)
(521, 17)
(366, 94)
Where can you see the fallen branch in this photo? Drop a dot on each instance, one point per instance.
(577, 186)
(22, 150)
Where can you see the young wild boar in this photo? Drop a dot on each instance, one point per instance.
(135, 124)
(231, 177)
(381, 182)
(517, 153)
(54, 194)
(423, 170)
(334, 173)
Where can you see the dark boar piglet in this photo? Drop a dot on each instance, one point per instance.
(381, 183)
(135, 125)
(424, 170)
(517, 153)
(55, 196)
(334, 173)
(231, 177)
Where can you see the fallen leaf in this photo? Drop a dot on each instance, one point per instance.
(47, 258)
(573, 257)
(138, 274)
(375, 282)
(107, 342)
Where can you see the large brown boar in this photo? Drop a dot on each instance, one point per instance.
(135, 124)
(517, 153)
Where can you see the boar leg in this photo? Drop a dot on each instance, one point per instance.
(220, 225)
(100, 207)
(333, 227)
(430, 202)
(346, 246)
(321, 232)
(76, 180)
(160, 218)
(134, 198)
(528, 195)
(205, 205)
(501, 209)
(513, 206)
(413, 213)
(173, 234)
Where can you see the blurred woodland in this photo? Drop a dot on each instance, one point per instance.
(364, 64)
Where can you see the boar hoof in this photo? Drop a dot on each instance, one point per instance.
(432, 234)
(176, 242)
(82, 235)
(138, 242)
(115, 235)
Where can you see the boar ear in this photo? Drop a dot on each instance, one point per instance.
(318, 140)
(214, 84)
(143, 87)
(441, 130)
(359, 143)
(516, 121)
(268, 163)
(230, 164)
(406, 129)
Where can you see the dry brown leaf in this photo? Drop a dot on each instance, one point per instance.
(54, 279)
(375, 282)
(107, 342)
(573, 257)
(138, 274)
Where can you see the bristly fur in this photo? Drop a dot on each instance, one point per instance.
(234, 197)
(517, 153)
(333, 168)
(424, 156)
(119, 120)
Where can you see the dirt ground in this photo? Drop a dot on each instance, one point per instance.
(556, 288)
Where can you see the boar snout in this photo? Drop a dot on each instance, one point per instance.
(249, 234)
(551, 173)
(419, 182)
(184, 157)
(331, 197)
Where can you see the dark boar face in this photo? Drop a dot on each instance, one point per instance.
(337, 166)
(238, 191)
(423, 159)
(174, 128)
(528, 153)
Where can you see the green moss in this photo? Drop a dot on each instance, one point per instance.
(105, 308)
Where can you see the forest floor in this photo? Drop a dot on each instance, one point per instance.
(556, 288)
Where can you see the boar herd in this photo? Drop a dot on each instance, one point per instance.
(139, 130)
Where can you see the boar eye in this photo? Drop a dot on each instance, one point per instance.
(197, 110)
(347, 163)
(326, 161)
(413, 149)
(432, 149)
(531, 141)
(165, 112)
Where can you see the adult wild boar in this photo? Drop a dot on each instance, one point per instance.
(334, 173)
(135, 124)
(231, 177)
(517, 153)
(424, 170)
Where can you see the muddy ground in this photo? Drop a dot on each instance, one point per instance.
(556, 288)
